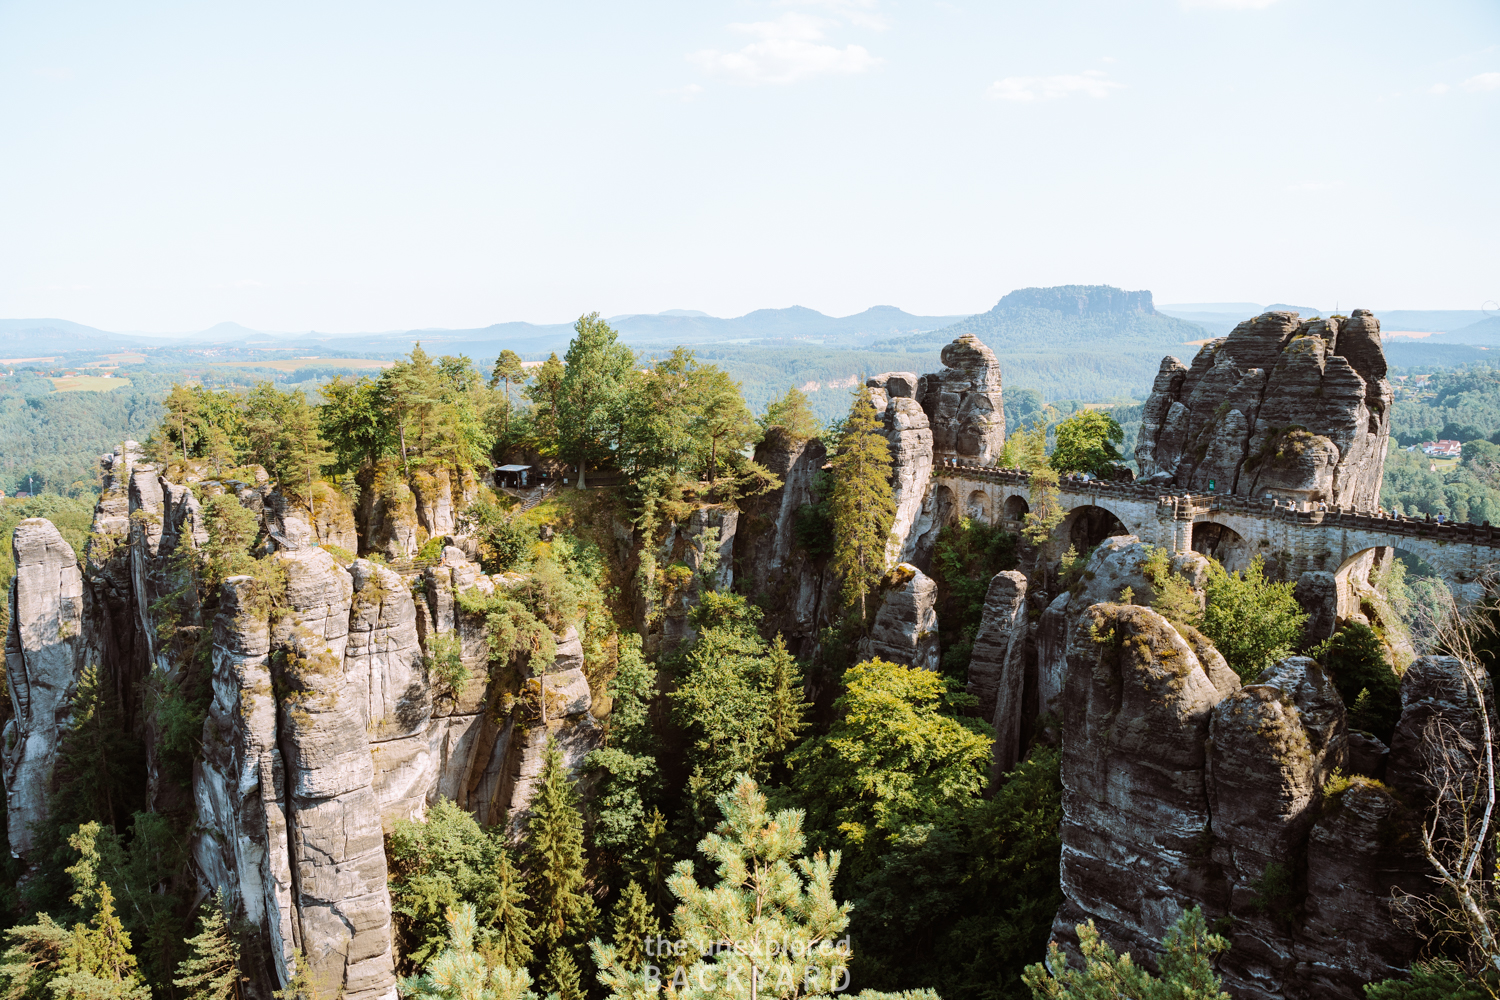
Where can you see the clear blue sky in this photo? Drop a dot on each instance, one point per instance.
(371, 165)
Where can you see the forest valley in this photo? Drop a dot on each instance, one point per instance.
(734, 812)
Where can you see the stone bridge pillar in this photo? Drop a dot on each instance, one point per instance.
(1176, 517)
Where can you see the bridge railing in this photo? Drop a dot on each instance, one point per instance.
(1186, 505)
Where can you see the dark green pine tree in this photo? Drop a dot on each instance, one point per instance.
(96, 758)
(788, 714)
(562, 976)
(509, 940)
(653, 863)
(554, 855)
(634, 924)
(212, 970)
(860, 502)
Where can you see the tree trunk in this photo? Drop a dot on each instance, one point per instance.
(580, 474)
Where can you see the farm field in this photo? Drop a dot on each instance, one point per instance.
(113, 360)
(88, 383)
(292, 364)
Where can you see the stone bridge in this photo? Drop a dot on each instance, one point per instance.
(1292, 537)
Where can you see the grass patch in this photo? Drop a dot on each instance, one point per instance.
(88, 383)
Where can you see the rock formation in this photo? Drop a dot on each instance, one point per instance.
(1179, 791)
(1296, 408)
(328, 721)
(1116, 565)
(907, 429)
(997, 666)
(963, 403)
(796, 589)
(48, 645)
(696, 556)
(905, 627)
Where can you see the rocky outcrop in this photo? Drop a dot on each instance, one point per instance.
(1116, 567)
(963, 403)
(1296, 408)
(1179, 791)
(905, 627)
(906, 427)
(388, 513)
(1317, 591)
(387, 682)
(694, 557)
(1136, 716)
(49, 643)
(997, 666)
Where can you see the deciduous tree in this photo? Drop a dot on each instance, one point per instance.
(1086, 443)
(592, 393)
(891, 759)
(1249, 619)
(793, 415)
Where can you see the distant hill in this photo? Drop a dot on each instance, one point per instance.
(1485, 333)
(1069, 317)
(38, 337)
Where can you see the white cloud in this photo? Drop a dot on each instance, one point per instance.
(1229, 4)
(1032, 88)
(1484, 81)
(688, 93)
(785, 50)
(1315, 186)
(1438, 88)
(860, 13)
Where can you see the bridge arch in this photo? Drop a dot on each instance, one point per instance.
(1221, 542)
(1016, 508)
(1086, 525)
(977, 507)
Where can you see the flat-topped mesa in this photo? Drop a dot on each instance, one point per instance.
(963, 403)
(1299, 409)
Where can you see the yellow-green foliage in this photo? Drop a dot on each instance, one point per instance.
(1252, 621)
(343, 556)
(1173, 597)
(1338, 783)
(444, 661)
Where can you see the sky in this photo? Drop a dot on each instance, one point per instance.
(345, 167)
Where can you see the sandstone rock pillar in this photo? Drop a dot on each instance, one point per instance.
(46, 648)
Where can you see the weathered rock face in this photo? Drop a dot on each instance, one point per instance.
(330, 521)
(910, 436)
(328, 721)
(905, 626)
(1116, 564)
(1298, 409)
(997, 666)
(1318, 593)
(388, 514)
(48, 645)
(703, 551)
(1178, 791)
(387, 682)
(1135, 806)
(963, 403)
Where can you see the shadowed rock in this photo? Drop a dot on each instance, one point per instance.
(905, 626)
